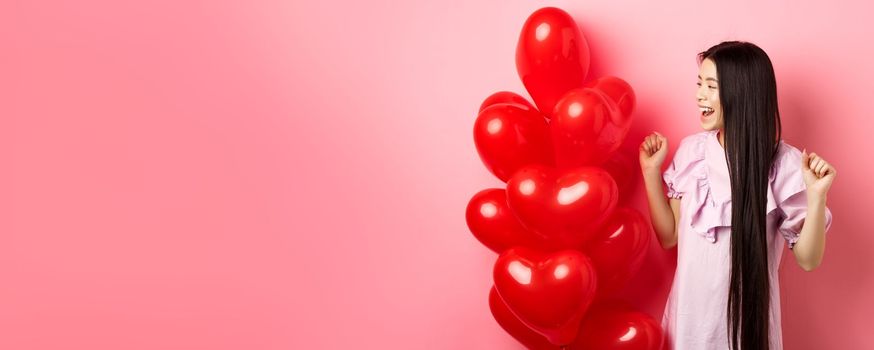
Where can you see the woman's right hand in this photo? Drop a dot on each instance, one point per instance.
(653, 151)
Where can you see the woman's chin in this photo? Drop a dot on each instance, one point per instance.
(707, 127)
(709, 123)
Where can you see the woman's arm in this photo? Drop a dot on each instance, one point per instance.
(663, 212)
(818, 176)
(811, 241)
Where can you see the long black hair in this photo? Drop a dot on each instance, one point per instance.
(748, 95)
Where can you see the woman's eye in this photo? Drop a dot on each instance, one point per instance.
(699, 84)
(712, 87)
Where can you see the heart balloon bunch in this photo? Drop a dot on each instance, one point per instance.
(565, 244)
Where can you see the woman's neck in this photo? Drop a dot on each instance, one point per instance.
(720, 134)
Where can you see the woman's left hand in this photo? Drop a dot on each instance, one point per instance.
(818, 174)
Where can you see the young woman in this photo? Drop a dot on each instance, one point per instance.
(735, 193)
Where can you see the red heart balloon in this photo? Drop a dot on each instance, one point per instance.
(620, 92)
(614, 326)
(548, 292)
(552, 56)
(582, 128)
(565, 206)
(505, 97)
(508, 137)
(619, 249)
(494, 225)
(516, 329)
(610, 325)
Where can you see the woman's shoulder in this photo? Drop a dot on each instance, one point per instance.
(691, 147)
(788, 159)
(786, 175)
(688, 160)
(695, 139)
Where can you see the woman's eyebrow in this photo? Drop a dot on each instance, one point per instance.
(711, 79)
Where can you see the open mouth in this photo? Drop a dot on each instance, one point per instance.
(705, 111)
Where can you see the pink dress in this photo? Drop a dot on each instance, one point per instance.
(695, 312)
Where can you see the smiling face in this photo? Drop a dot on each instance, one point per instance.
(708, 96)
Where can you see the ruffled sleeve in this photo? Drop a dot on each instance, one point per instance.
(790, 193)
(685, 168)
(706, 200)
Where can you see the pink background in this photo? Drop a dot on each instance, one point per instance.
(281, 175)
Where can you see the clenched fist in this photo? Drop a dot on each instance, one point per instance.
(818, 174)
(653, 151)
